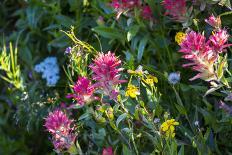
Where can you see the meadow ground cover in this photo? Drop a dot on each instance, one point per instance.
(115, 77)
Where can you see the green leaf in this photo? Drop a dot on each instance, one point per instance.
(132, 32)
(181, 109)
(142, 45)
(126, 151)
(84, 116)
(121, 118)
(108, 32)
(181, 151)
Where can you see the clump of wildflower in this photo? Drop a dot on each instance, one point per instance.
(49, 69)
(150, 80)
(168, 128)
(83, 91)
(180, 37)
(106, 72)
(59, 125)
(175, 8)
(214, 21)
(174, 78)
(196, 49)
(218, 40)
(132, 91)
(108, 151)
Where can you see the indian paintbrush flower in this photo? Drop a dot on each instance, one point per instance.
(59, 125)
(202, 57)
(83, 91)
(214, 21)
(168, 128)
(218, 40)
(106, 72)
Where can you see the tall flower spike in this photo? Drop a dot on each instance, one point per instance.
(59, 125)
(83, 91)
(218, 40)
(195, 49)
(106, 72)
(175, 8)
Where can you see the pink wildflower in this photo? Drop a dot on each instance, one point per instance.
(59, 125)
(83, 91)
(175, 8)
(214, 21)
(147, 12)
(195, 49)
(218, 40)
(106, 72)
(108, 151)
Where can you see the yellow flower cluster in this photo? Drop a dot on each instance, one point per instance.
(132, 91)
(150, 80)
(168, 128)
(179, 38)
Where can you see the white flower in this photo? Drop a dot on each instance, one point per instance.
(174, 78)
(49, 69)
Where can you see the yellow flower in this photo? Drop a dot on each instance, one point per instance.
(132, 91)
(168, 128)
(150, 80)
(179, 38)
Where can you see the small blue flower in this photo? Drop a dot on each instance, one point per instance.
(50, 70)
(174, 78)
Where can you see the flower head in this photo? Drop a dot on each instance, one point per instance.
(175, 8)
(174, 78)
(68, 50)
(108, 151)
(202, 57)
(106, 72)
(168, 128)
(132, 91)
(218, 40)
(59, 125)
(150, 80)
(180, 37)
(49, 69)
(214, 21)
(83, 91)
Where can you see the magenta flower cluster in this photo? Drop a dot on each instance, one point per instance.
(59, 125)
(106, 72)
(83, 91)
(121, 6)
(204, 53)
